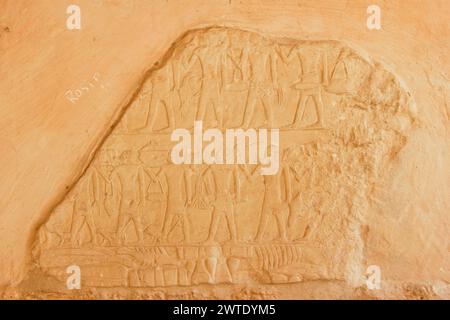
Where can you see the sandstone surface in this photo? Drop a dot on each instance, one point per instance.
(87, 177)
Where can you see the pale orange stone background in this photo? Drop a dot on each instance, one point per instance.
(46, 141)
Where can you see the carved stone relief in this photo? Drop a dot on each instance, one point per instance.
(136, 220)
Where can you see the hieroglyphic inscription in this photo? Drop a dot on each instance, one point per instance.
(135, 219)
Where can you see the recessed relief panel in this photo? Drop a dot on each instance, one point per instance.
(135, 219)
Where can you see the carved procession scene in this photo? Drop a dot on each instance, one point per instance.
(136, 219)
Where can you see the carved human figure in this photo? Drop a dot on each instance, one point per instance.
(155, 202)
(187, 69)
(260, 66)
(286, 71)
(103, 206)
(162, 97)
(178, 193)
(211, 53)
(236, 75)
(277, 194)
(296, 165)
(313, 76)
(102, 186)
(226, 192)
(85, 197)
(129, 178)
